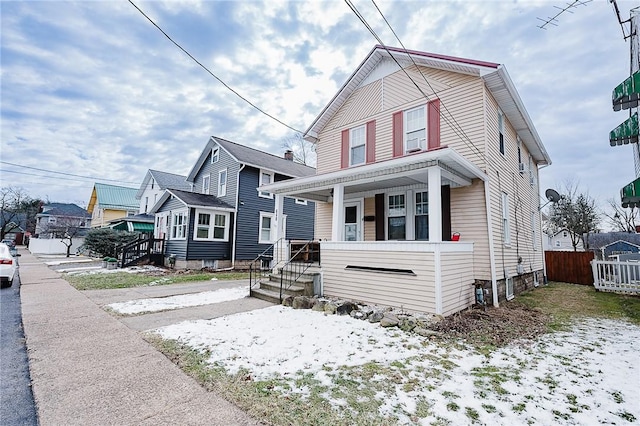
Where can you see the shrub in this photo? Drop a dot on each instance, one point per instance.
(104, 241)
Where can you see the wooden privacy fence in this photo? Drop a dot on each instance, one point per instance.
(569, 266)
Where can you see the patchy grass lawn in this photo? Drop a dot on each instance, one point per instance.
(98, 281)
(582, 372)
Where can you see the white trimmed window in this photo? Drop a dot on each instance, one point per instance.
(215, 155)
(222, 183)
(301, 201)
(415, 129)
(52, 219)
(397, 217)
(509, 287)
(267, 232)
(357, 138)
(206, 183)
(506, 236)
(266, 178)
(211, 226)
(179, 226)
(501, 130)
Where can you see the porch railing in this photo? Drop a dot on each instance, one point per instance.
(298, 264)
(142, 248)
(615, 276)
(266, 261)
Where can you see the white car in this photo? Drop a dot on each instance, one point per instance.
(8, 266)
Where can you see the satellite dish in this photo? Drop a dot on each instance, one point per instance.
(552, 195)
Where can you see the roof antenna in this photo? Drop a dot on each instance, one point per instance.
(552, 19)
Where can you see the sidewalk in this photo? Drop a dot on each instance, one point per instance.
(89, 368)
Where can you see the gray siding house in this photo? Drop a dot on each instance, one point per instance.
(225, 220)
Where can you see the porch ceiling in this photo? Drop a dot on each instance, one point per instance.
(456, 171)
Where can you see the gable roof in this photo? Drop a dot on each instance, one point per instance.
(113, 197)
(494, 75)
(603, 239)
(164, 180)
(63, 209)
(252, 157)
(192, 199)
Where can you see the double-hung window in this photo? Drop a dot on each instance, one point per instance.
(506, 237)
(179, 226)
(266, 228)
(415, 136)
(265, 179)
(357, 138)
(422, 216)
(206, 183)
(501, 130)
(215, 155)
(397, 217)
(222, 183)
(212, 226)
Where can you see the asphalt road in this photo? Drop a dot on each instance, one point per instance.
(17, 406)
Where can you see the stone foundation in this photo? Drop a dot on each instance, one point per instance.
(521, 283)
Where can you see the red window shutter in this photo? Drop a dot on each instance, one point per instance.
(433, 124)
(344, 152)
(398, 139)
(371, 142)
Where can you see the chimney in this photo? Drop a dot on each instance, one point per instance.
(288, 155)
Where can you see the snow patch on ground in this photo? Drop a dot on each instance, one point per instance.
(587, 375)
(180, 301)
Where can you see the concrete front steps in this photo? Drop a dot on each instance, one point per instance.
(269, 287)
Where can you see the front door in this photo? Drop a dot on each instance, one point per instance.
(353, 221)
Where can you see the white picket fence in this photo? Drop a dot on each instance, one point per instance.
(616, 276)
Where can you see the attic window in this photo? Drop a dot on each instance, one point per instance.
(215, 155)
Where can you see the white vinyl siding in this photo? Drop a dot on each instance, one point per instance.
(506, 236)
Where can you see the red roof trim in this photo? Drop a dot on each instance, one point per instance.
(437, 56)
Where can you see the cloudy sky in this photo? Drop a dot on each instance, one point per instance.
(92, 89)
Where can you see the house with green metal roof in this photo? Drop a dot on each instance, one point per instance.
(109, 202)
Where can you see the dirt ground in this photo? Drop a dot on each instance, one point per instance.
(496, 326)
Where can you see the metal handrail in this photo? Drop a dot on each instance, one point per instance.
(295, 269)
(258, 271)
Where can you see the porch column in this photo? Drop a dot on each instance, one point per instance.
(279, 213)
(337, 223)
(435, 205)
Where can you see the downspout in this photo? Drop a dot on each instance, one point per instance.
(235, 219)
(492, 254)
(544, 255)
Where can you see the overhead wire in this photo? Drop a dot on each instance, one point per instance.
(211, 73)
(62, 173)
(355, 10)
(457, 125)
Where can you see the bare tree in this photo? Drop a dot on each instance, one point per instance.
(304, 152)
(65, 228)
(621, 219)
(576, 212)
(14, 202)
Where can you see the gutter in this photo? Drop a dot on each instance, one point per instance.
(235, 219)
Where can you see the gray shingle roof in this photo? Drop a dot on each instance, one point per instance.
(170, 180)
(64, 209)
(599, 240)
(264, 160)
(204, 200)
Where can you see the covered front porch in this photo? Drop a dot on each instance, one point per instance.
(385, 231)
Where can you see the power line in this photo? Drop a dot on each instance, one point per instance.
(459, 127)
(211, 73)
(62, 173)
(372, 31)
